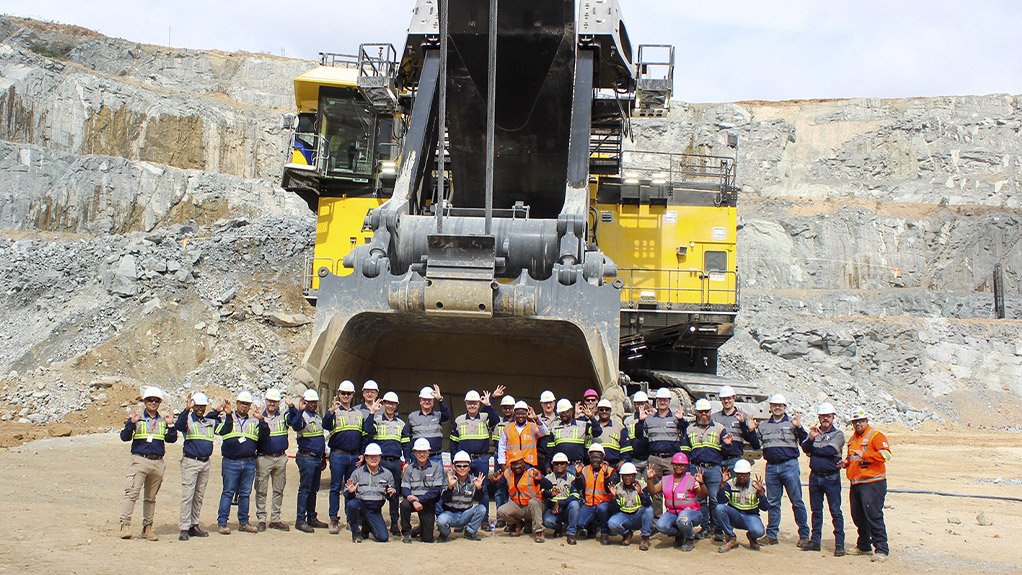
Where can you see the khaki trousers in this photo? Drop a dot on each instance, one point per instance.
(142, 474)
(515, 515)
(194, 476)
(662, 465)
(270, 469)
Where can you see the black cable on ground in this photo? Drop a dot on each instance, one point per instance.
(949, 494)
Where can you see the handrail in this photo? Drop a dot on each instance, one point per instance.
(672, 167)
(663, 294)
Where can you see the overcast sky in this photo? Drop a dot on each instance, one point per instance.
(726, 51)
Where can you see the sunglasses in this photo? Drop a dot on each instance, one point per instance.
(153, 400)
(560, 463)
(607, 409)
(346, 393)
(461, 465)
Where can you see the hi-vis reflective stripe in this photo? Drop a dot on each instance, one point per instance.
(469, 430)
(278, 424)
(704, 438)
(199, 432)
(574, 434)
(497, 430)
(742, 499)
(249, 429)
(144, 429)
(313, 425)
(630, 501)
(342, 423)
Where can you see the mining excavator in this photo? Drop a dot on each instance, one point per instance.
(482, 219)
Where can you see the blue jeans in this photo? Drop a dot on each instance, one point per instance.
(341, 466)
(711, 479)
(828, 487)
(476, 466)
(310, 472)
(469, 519)
(681, 524)
(566, 520)
(730, 519)
(867, 502)
(238, 475)
(642, 520)
(358, 512)
(782, 477)
(587, 514)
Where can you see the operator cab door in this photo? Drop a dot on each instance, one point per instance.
(348, 131)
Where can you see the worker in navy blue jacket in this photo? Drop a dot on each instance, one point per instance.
(348, 436)
(198, 428)
(147, 431)
(240, 433)
(271, 460)
(427, 423)
(421, 485)
(311, 450)
(824, 445)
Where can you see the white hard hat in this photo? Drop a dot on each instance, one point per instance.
(703, 405)
(777, 399)
(152, 392)
(346, 385)
(857, 413)
(373, 449)
(559, 457)
(563, 405)
(664, 393)
(627, 468)
(825, 409)
(273, 394)
(461, 457)
(508, 400)
(604, 403)
(199, 398)
(421, 444)
(726, 391)
(310, 395)
(390, 396)
(426, 393)
(521, 405)
(596, 447)
(472, 395)
(370, 384)
(547, 396)
(743, 466)
(640, 397)
(245, 397)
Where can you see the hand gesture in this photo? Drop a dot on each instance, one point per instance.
(134, 415)
(289, 402)
(534, 474)
(258, 414)
(578, 467)
(579, 408)
(452, 479)
(699, 476)
(436, 393)
(796, 420)
(225, 406)
(532, 414)
(613, 491)
(725, 475)
(645, 413)
(555, 491)
(169, 418)
(757, 482)
(814, 431)
(729, 439)
(605, 467)
(740, 416)
(361, 460)
(190, 403)
(486, 398)
(301, 404)
(498, 392)
(351, 486)
(478, 481)
(496, 476)
(375, 406)
(753, 424)
(651, 475)
(335, 405)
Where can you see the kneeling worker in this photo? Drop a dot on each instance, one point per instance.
(365, 491)
(745, 499)
(462, 500)
(421, 485)
(525, 498)
(635, 509)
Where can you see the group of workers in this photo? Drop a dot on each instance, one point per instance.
(574, 469)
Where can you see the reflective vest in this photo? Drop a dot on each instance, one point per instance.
(521, 444)
(197, 429)
(742, 498)
(704, 438)
(778, 434)
(313, 425)
(564, 483)
(146, 428)
(573, 433)
(427, 426)
(499, 429)
(462, 495)
(596, 492)
(629, 499)
(276, 423)
(477, 428)
(389, 429)
(524, 490)
(610, 438)
(662, 429)
(249, 429)
(868, 470)
(372, 486)
(347, 420)
(681, 495)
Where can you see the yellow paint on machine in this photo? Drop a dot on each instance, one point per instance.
(338, 231)
(308, 84)
(679, 254)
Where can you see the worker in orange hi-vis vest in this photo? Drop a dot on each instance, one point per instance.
(866, 467)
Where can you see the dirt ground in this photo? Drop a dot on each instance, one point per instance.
(61, 497)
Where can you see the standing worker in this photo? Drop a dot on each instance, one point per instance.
(548, 417)
(347, 437)
(781, 437)
(370, 393)
(368, 487)
(507, 415)
(426, 423)
(866, 466)
(705, 441)
(421, 486)
(824, 446)
(636, 449)
(744, 500)
(571, 434)
(148, 433)
(741, 425)
(308, 425)
(271, 462)
(520, 438)
(612, 433)
(389, 437)
(664, 430)
(198, 429)
(634, 507)
(240, 433)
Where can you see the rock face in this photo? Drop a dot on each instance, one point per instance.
(143, 237)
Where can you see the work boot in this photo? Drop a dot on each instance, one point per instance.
(839, 552)
(441, 538)
(678, 540)
(627, 539)
(317, 524)
(196, 531)
(688, 545)
(417, 531)
(767, 541)
(261, 526)
(516, 531)
(304, 527)
(183, 536)
(802, 543)
(753, 543)
(148, 535)
(471, 537)
(334, 527)
(223, 530)
(406, 539)
(125, 530)
(572, 540)
(810, 546)
(501, 523)
(356, 536)
(878, 557)
(644, 543)
(861, 551)
(729, 544)
(718, 537)
(557, 533)
(279, 525)
(604, 539)
(395, 529)
(539, 536)
(247, 528)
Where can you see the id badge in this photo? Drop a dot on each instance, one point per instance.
(149, 439)
(242, 439)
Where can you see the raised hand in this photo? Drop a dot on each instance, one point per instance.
(645, 413)
(436, 393)
(605, 467)
(725, 475)
(499, 391)
(650, 474)
(169, 418)
(613, 491)
(289, 402)
(699, 476)
(740, 416)
(814, 431)
(578, 467)
(579, 408)
(452, 479)
(729, 439)
(134, 415)
(478, 481)
(496, 476)
(485, 400)
(757, 483)
(532, 414)
(335, 406)
(796, 419)
(753, 424)
(190, 403)
(351, 486)
(375, 406)
(258, 414)
(301, 404)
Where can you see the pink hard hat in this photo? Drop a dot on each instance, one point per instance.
(679, 459)
(590, 393)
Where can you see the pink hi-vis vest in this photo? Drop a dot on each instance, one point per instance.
(681, 496)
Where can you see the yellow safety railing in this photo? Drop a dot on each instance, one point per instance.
(685, 286)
